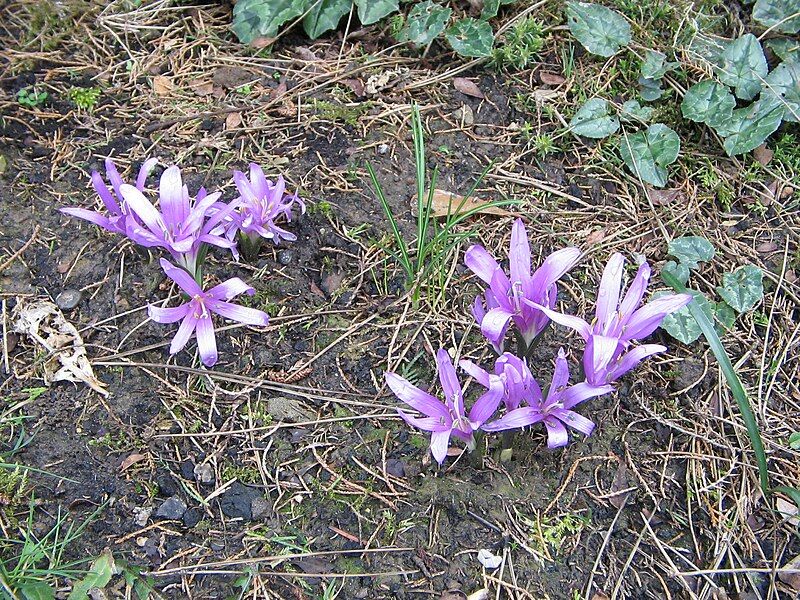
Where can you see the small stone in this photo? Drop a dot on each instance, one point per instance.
(191, 517)
(166, 484)
(285, 257)
(204, 474)
(172, 508)
(141, 515)
(395, 467)
(260, 508)
(187, 469)
(383, 148)
(237, 501)
(68, 299)
(464, 116)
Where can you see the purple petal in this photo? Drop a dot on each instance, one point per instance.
(475, 372)
(519, 254)
(557, 435)
(206, 341)
(105, 194)
(633, 297)
(576, 323)
(241, 314)
(608, 292)
(630, 359)
(184, 333)
(167, 315)
(440, 441)
(113, 175)
(174, 204)
(579, 392)
(144, 171)
(576, 421)
(495, 323)
(91, 216)
(480, 262)
(229, 289)
(417, 399)
(449, 379)
(424, 423)
(555, 266)
(142, 208)
(598, 354)
(487, 404)
(514, 419)
(560, 375)
(182, 278)
(644, 321)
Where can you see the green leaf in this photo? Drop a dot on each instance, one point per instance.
(650, 89)
(783, 83)
(742, 289)
(471, 37)
(679, 270)
(691, 250)
(35, 590)
(263, 18)
(655, 65)
(735, 385)
(425, 21)
(750, 126)
(99, 575)
(633, 111)
(647, 153)
(325, 16)
(593, 120)
(708, 102)
(787, 49)
(782, 14)
(743, 66)
(681, 324)
(725, 316)
(372, 11)
(600, 30)
(794, 440)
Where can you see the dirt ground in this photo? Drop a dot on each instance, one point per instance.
(284, 472)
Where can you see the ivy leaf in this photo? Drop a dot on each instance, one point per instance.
(633, 111)
(784, 84)
(681, 324)
(471, 37)
(743, 66)
(600, 30)
(650, 89)
(655, 65)
(750, 126)
(325, 16)
(691, 250)
(647, 153)
(492, 7)
(372, 11)
(708, 102)
(794, 440)
(725, 316)
(593, 120)
(787, 49)
(742, 289)
(263, 18)
(678, 270)
(780, 14)
(425, 21)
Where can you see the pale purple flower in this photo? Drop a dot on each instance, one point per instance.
(555, 410)
(505, 300)
(617, 324)
(262, 203)
(195, 315)
(519, 385)
(448, 417)
(116, 221)
(182, 226)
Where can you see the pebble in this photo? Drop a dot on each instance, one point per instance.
(172, 508)
(260, 508)
(204, 474)
(187, 469)
(383, 148)
(68, 299)
(285, 257)
(237, 501)
(141, 515)
(395, 467)
(465, 116)
(191, 517)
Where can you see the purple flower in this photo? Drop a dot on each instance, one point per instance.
(519, 386)
(505, 299)
(448, 417)
(196, 313)
(118, 214)
(618, 324)
(261, 204)
(183, 227)
(555, 410)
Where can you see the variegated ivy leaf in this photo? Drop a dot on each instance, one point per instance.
(325, 16)
(593, 120)
(708, 102)
(425, 21)
(678, 270)
(778, 15)
(743, 66)
(787, 49)
(691, 250)
(647, 153)
(784, 84)
(492, 7)
(724, 315)
(263, 18)
(372, 11)
(681, 324)
(600, 30)
(470, 37)
(742, 289)
(650, 89)
(750, 126)
(655, 65)
(633, 111)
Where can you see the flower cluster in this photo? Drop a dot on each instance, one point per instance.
(526, 301)
(185, 227)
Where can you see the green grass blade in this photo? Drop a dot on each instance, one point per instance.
(405, 262)
(734, 383)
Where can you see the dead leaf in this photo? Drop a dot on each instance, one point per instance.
(548, 78)
(453, 595)
(162, 85)
(763, 155)
(788, 511)
(541, 95)
(233, 120)
(278, 91)
(663, 197)
(356, 85)
(306, 54)
(479, 595)
(620, 483)
(202, 88)
(131, 460)
(766, 247)
(596, 237)
(292, 410)
(791, 579)
(446, 203)
(231, 78)
(263, 42)
(43, 322)
(600, 596)
(465, 86)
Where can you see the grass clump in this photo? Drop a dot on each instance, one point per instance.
(520, 46)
